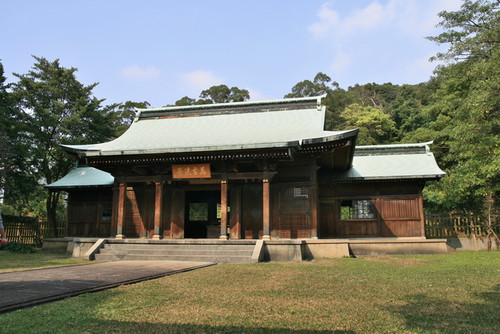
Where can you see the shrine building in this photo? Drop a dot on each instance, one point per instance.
(263, 170)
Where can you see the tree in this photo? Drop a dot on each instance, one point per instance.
(6, 106)
(185, 101)
(54, 108)
(124, 114)
(216, 94)
(224, 94)
(406, 111)
(375, 127)
(473, 31)
(15, 182)
(336, 98)
(319, 86)
(467, 106)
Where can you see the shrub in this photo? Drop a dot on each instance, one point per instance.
(16, 247)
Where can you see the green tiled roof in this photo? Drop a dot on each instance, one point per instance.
(219, 127)
(83, 177)
(389, 162)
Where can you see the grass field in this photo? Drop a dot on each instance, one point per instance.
(14, 262)
(454, 293)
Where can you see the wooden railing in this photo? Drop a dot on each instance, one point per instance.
(450, 225)
(30, 230)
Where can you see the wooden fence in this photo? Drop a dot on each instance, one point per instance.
(466, 225)
(30, 230)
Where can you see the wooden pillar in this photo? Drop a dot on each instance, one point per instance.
(158, 209)
(235, 221)
(422, 215)
(177, 213)
(266, 209)
(121, 210)
(223, 209)
(314, 203)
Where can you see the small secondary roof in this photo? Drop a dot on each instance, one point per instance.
(391, 162)
(83, 177)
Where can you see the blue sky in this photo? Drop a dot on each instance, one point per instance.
(160, 51)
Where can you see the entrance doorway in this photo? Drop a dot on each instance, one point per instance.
(201, 218)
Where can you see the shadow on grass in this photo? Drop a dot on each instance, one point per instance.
(134, 327)
(435, 314)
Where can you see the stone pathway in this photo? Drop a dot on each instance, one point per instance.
(22, 289)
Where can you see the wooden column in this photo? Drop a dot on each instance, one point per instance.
(314, 203)
(266, 209)
(158, 209)
(235, 221)
(223, 209)
(121, 210)
(114, 211)
(422, 215)
(177, 216)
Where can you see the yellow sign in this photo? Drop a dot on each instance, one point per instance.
(191, 171)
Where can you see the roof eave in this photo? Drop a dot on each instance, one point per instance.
(100, 153)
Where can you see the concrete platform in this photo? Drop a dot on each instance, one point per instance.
(22, 289)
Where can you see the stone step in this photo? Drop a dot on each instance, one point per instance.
(175, 251)
(201, 258)
(219, 253)
(179, 247)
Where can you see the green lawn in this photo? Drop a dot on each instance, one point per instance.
(14, 262)
(458, 292)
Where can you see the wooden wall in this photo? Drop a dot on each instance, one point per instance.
(291, 211)
(89, 213)
(398, 210)
(251, 211)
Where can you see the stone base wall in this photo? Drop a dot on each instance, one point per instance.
(471, 243)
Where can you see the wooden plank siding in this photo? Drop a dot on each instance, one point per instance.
(89, 214)
(292, 211)
(251, 211)
(400, 216)
(398, 210)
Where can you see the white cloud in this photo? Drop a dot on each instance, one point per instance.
(201, 80)
(411, 16)
(367, 18)
(341, 62)
(328, 20)
(135, 72)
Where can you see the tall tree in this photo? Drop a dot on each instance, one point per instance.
(216, 94)
(224, 94)
(124, 114)
(54, 108)
(467, 106)
(6, 106)
(336, 98)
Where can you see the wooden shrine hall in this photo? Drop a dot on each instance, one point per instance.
(249, 170)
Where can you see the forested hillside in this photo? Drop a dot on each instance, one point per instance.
(458, 109)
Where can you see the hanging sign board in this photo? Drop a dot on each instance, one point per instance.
(191, 171)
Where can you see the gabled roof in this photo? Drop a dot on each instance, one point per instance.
(281, 123)
(83, 176)
(392, 162)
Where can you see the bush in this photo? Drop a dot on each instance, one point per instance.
(16, 247)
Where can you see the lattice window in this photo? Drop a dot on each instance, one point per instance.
(357, 209)
(301, 193)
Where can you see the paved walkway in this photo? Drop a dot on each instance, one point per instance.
(32, 287)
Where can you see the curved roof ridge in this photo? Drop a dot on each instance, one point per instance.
(225, 105)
